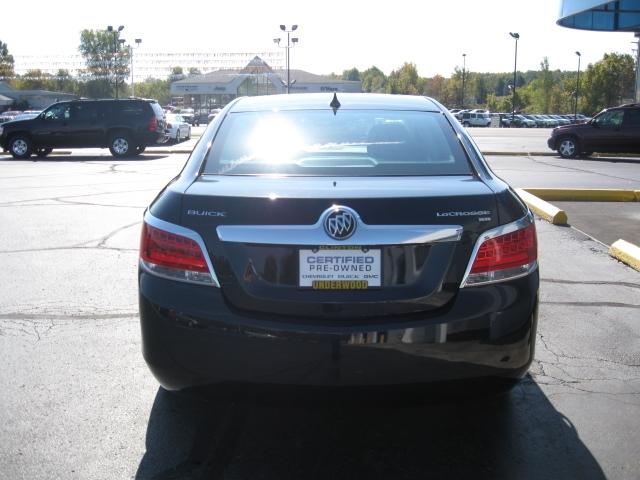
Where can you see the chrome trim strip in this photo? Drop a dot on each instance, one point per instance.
(185, 232)
(315, 235)
(496, 232)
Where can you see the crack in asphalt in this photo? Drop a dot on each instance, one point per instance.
(63, 198)
(92, 204)
(576, 169)
(101, 243)
(590, 282)
(73, 316)
(574, 382)
(559, 355)
(38, 325)
(76, 247)
(594, 304)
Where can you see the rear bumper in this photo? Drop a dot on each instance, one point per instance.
(192, 338)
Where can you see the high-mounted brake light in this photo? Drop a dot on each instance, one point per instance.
(173, 256)
(504, 253)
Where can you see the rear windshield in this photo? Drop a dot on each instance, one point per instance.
(347, 143)
(157, 109)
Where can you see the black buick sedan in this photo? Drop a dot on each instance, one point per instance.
(337, 240)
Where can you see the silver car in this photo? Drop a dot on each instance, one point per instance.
(177, 128)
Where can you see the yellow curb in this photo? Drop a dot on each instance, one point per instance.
(586, 194)
(626, 252)
(549, 212)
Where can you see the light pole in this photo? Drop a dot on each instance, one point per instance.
(116, 34)
(464, 66)
(516, 36)
(138, 41)
(288, 46)
(575, 108)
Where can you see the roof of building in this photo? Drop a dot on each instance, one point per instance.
(7, 91)
(600, 15)
(259, 66)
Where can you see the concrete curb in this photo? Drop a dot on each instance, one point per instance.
(586, 194)
(626, 252)
(520, 154)
(154, 150)
(549, 212)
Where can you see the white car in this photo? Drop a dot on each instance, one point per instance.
(177, 129)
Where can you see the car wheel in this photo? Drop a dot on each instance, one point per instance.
(120, 145)
(20, 147)
(567, 147)
(178, 136)
(189, 134)
(466, 124)
(43, 152)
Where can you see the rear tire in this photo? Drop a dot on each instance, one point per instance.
(20, 147)
(178, 136)
(466, 124)
(120, 145)
(568, 147)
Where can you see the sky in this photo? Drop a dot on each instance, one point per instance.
(333, 35)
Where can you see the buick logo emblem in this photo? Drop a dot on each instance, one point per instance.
(340, 223)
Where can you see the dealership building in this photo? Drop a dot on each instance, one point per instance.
(256, 78)
(618, 16)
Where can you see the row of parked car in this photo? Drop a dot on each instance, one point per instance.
(483, 118)
(191, 116)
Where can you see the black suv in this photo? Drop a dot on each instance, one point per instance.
(126, 127)
(612, 130)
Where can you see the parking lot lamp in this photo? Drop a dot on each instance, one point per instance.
(288, 46)
(464, 66)
(516, 36)
(116, 34)
(575, 108)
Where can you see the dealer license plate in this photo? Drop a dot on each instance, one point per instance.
(340, 268)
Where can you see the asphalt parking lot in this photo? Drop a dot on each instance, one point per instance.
(79, 402)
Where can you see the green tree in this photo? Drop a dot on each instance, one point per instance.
(177, 73)
(105, 59)
(194, 71)
(352, 74)
(608, 82)
(480, 88)
(540, 89)
(373, 80)
(156, 89)
(64, 82)
(404, 80)
(6, 62)
(34, 80)
(434, 87)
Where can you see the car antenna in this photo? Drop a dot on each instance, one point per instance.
(335, 104)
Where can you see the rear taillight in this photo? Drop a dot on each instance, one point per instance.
(170, 255)
(153, 124)
(505, 253)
